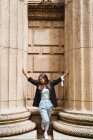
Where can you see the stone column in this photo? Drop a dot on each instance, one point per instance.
(77, 116)
(14, 117)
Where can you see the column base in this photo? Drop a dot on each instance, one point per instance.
(60, 136)
(75, 124)
(27, 136)
(15, 123)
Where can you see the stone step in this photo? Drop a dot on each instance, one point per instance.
(50, 138)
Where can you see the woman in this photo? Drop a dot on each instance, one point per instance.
(45, 97)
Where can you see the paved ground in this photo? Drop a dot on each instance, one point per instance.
(33, 136)
(27, 136)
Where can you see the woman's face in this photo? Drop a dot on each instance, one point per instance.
(42, 81)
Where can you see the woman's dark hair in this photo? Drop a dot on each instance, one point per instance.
(45, 77)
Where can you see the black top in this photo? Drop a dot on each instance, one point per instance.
(37, 97)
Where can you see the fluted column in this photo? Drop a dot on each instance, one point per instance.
(13, 56)
(77, 117)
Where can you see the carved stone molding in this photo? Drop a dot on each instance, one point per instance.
(76, 118)
(14, 117)
(15, 123)
(70, 129)
(45, 11)
(16, 128)
(75, 124)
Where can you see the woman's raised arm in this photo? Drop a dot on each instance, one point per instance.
(26, 73)
(65, 74)
(29, 78)
(62, 78)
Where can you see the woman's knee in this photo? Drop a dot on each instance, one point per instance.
(47, 120)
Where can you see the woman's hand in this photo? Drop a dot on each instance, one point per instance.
(66, 73)
(25, 73)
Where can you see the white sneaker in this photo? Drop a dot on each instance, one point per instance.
(46, 137)
(42, 125)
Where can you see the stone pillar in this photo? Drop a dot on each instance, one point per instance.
(77, 116)
(14, 117)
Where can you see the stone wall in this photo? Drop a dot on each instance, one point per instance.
(45, 52)
(45, 44)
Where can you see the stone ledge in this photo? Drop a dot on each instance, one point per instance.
(46, 11)
(35, 110)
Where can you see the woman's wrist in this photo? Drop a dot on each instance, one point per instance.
(62, 77)
(25, 73)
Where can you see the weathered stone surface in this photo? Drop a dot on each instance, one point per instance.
(78, 58)
(78, 54)
(13, 57)
(48, 63)
(42, 37)
(61, 136)
(29, 135)
(46, 53)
